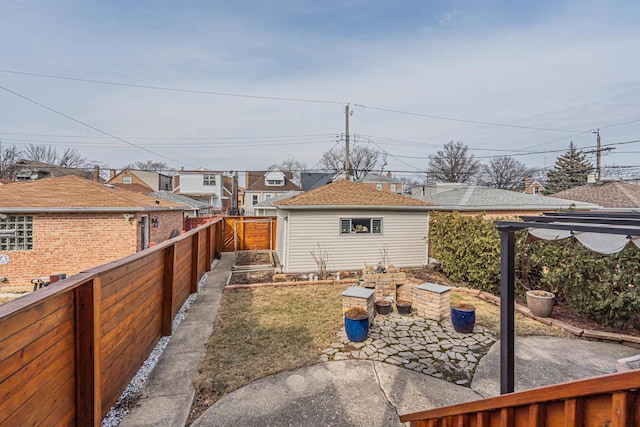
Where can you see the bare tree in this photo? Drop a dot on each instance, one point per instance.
(321, 259)
(290, 164)
(363, 160)
(148, 165)
(505, 173)
(453, 164)
(9, 155)
(69, 158)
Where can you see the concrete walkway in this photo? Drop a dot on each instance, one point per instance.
(168, 392)
(342, 393)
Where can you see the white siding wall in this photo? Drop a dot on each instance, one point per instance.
(403, 233)
(191, 184)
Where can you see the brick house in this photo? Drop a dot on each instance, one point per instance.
(265, 185)
(70, 224)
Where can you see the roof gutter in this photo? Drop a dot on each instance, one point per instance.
(509, 208)
(27, 209)
(354, 207)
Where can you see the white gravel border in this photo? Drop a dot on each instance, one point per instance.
(131, 393)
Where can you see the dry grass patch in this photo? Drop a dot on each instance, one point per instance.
(488, 315)
(6, 299)
(263, 331)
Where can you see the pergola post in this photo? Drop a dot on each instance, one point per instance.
(507, 310)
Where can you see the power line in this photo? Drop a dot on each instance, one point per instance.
(453, 119)
(170, 89)
(87, 125)
(171, 137)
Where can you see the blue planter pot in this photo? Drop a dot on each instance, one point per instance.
(463, 319)
(357, 330)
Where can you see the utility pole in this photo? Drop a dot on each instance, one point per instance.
(598, 154)
(347, 161)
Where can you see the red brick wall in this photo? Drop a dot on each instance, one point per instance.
(167, 222)
(70, 243)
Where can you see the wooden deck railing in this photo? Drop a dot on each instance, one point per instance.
(68, 351)
(609, 400)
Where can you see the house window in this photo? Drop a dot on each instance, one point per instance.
(536, 190)
(16, 233)
(393, 188)
(267, 196)
(279, 182)
(254, 199)
(360, 225)
(379, 186)
(208, 179)
(126, 180)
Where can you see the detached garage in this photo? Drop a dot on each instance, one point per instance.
(352, 223)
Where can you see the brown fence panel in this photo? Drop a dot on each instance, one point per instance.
(68, 351)
(37, 355)
(182, 274)
(132, 324)
(249, 233)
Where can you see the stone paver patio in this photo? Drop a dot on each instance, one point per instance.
(423, 345)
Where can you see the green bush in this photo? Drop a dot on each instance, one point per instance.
(604, 288)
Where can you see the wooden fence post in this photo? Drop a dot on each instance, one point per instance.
(167, 290)
(87, 357)
(209, 244)
(195, 247)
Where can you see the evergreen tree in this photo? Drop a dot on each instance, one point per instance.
(570, 170)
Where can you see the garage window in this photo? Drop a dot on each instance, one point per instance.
(360, 225)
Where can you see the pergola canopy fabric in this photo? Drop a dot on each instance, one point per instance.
(597, 242)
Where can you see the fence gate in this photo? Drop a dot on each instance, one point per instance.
(249, 233)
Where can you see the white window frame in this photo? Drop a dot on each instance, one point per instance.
(351, 226)
(126, 180)
(208, 179)
(275, 182)
(378, 186)
(393, 188)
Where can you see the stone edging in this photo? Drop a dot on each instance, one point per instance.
(628, 340)
(284, 284)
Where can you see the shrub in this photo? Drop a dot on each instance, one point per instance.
(604, 288)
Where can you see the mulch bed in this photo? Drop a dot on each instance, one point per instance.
(252, 258)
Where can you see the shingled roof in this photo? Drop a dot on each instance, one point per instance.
(344, 193)
(606, 194)
(74, 194)
(255, 182)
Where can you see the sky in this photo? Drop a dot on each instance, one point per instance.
(242, 85)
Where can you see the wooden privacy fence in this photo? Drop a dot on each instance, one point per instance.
(610, 400)
(249, 233)
(69, 350)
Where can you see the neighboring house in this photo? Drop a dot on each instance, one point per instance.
(30, 170)
(267, 207)
(534, 188)
(210, 187)
(70, 224)
(264, 185)
(383, 182)
(192, 207)
(492, 202)
(311, 180)
(606, 193)
(353, 224)
(427, 190)
(6, 181)
(137, 180)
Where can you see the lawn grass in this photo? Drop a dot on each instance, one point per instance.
(488, 315)
(263, 331)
